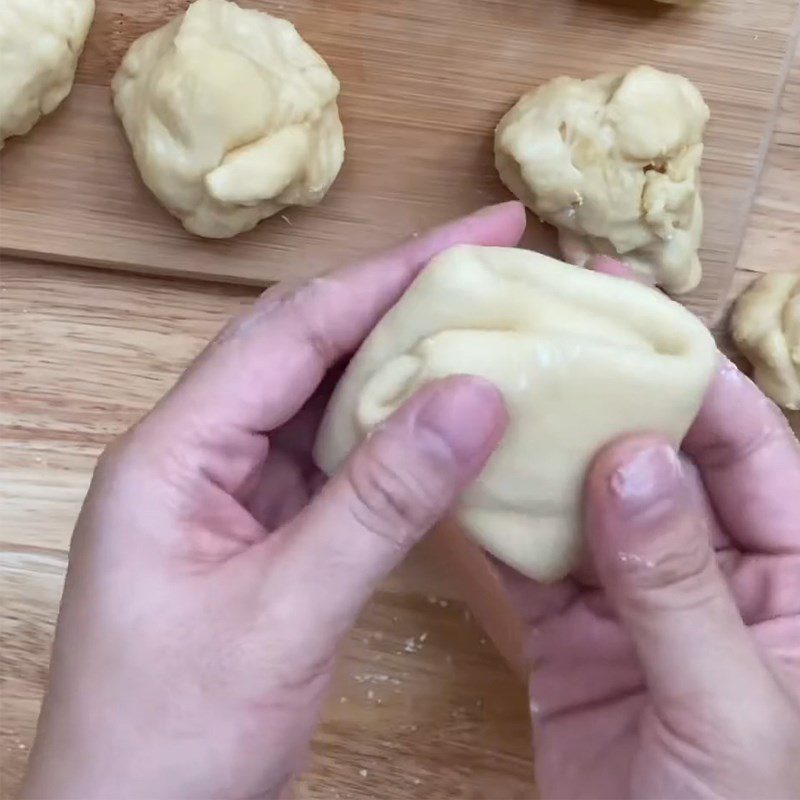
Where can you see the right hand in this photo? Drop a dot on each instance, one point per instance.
(672, 669)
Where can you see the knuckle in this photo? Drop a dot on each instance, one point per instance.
(114, 453)
(299, 303)
(682, 572)
(302, 307)
(389, 500)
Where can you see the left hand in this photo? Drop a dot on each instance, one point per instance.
(207, 592)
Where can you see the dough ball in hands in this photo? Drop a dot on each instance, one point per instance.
(40, 41)
(613, 162)
(765, 325)
(580, 358)
(231, 117)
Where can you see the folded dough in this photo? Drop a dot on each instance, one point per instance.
(613, 162)
(40, 41)
(766, 328)
(580, 358)
(231, 117)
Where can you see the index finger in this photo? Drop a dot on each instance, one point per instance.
(262, 368)
(750, 462)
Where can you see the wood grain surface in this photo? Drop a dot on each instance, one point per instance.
(423, 86)
(84, 352)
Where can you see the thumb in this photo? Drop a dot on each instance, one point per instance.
(648, 535)
(394, 488)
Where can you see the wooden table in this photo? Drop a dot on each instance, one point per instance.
(423, 706)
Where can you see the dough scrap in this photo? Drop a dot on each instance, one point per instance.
(231, 117)
(40, 42)
(613, 162)
(580, 358)
(765, 325)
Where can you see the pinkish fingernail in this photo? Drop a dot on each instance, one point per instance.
(649, 485)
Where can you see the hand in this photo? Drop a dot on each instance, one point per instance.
(671, 667)
(208, 588)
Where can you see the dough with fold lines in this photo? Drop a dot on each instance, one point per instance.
(580, 358)
(231, 117)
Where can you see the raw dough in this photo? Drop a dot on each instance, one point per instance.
(613, 163)
(766, 327)
(40, 41)
(580, 357)
(231, 116)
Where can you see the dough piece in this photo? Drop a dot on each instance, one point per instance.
(40, 41)
(231, 117)
(766, 328)
(613, 163)
(580, 358)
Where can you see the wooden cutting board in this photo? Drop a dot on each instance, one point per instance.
(424, 84)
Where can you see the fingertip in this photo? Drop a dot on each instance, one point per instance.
(618, 455)
(610, 266)
(507, 222)
(468, 414)
(634, 487)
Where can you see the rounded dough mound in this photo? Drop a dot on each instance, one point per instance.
(766, 328)
(231, 117)
(40, 41)
(613, 163)
(580, 358)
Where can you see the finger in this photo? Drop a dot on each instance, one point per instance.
(765, 587)
(750, 463)
(654, 559)
(610, 266)
(264, 366)
(586, 572)
(390, 491)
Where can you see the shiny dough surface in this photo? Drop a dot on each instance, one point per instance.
(580, 358)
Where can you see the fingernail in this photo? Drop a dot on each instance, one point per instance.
(649, 486)
(467, 415)
(609, 266)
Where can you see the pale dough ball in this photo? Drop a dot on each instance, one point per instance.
(40, 41)
(613, 163)
(766, 328)
(231, 117)
(580, 358)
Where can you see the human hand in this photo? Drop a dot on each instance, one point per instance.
(670, 667)
(209, 585)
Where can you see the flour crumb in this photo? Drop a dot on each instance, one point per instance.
(363, 773)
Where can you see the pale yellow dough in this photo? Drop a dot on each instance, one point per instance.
(766, 328)
(613, 162)
(231, 117)
(580, 358)
(40, 41)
